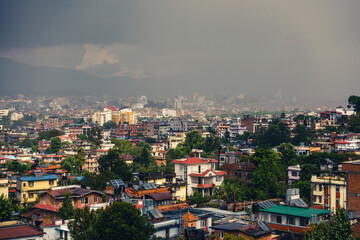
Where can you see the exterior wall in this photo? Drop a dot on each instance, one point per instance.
(4, 187)
(77, 202)
(329, 192)
(353, 180)
(26, 193)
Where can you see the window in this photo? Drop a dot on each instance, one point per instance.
(31, 184)
(320, 199)
(203, 223)
(294, 174)
(278, 219)
(95, 199)
(291, 220)
(51, 182)
(337, 201)
(337, 189)
(218, 179)
(31, 195)
(83, 201)
(24, 184)
(320, 187)
(199, 169)
(181, 167)
(304, 222)
(86, 200)
(221, 234)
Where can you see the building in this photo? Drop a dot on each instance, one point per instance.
(200, 175)
(258, 230)
(285, 219)
(28, 187)
(293, 174)
(242, 171)
(352, 169)
(15, 230)
(328, 191)
(4, 185)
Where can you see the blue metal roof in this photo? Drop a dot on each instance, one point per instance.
(41, 178)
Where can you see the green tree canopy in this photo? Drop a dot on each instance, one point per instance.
(55, 145)
(338, 228)
(66, 211)
(121, 221)
(6, 208)
(277, 133)
(109, 124)
(287, 153)
(111, 162)
(47, 135)
(355, 102)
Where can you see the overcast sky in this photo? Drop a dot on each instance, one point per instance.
(304, 47)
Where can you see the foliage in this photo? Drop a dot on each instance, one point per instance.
(232, 237)
(338, 228)
(79, 159)
(111, 162)
(47, 135)
(211, 130)
(82, 137)
(121, 221)
(302, 135)
(66, 211)
(355, 102)
(79, 226)
(150, 140)
(307, 170)
(269, 175)
(354, 123)
(304, 187)
(55, 145)
(145, 158)
(287, 153)
(246, 136)
(27, 143)
(277, 133)
(94, 136)
(17, 166)
(6, 208)
(198, 198)
(109, 124)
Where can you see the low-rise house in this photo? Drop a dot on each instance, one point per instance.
(293, 174)
(199, 174)
(28, 187)
(242, 171)
(290, 219)
(259, 230)
(15, 230)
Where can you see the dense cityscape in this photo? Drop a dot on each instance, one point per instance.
(187, 172)
(179, 120)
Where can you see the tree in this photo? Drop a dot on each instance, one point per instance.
(304, 187)
(354, 123)
(302, 135)
(277, 133)
(198, 198)
(111, 162)
(94, 136)
(287, 153)
(109, 124)
(79, 226)
(55, 145)
(66, 211)
(145, 157)
(27, 143)
(194, 140)
(121, 221)
(211, 130)
(17, 166)
(47, 135)
(6, 208)
(307, 170)
(79, 159)
(232, 237)
(355, 102)
(338, 228)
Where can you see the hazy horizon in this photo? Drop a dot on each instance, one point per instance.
(304, 49)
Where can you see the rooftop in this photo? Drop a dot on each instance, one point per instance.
(194, 160)
(41, 178)
(19, 231)
(295, 211)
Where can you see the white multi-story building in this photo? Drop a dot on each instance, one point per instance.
(200, 175)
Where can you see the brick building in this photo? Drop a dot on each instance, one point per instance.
(352, 168)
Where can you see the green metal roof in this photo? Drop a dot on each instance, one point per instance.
(295, 211)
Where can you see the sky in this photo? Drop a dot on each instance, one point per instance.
(304, 48)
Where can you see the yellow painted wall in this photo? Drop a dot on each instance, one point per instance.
(4, 187)
(38, 186)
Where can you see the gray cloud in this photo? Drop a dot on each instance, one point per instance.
(304, 48)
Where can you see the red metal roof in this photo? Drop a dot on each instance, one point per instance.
(19, 231)
(206, 172)
(46, 207)
(194, 160)
(204, 185)
(111, 108)
(343, 142)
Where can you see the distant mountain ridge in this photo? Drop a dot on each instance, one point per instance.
(18, 78)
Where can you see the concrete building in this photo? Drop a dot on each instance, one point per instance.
(200, 175)
(352, 169)
(293, 174)
(328, 191)
(4, 185)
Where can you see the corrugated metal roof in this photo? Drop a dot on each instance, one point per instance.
(41, 178)
(294, 211)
